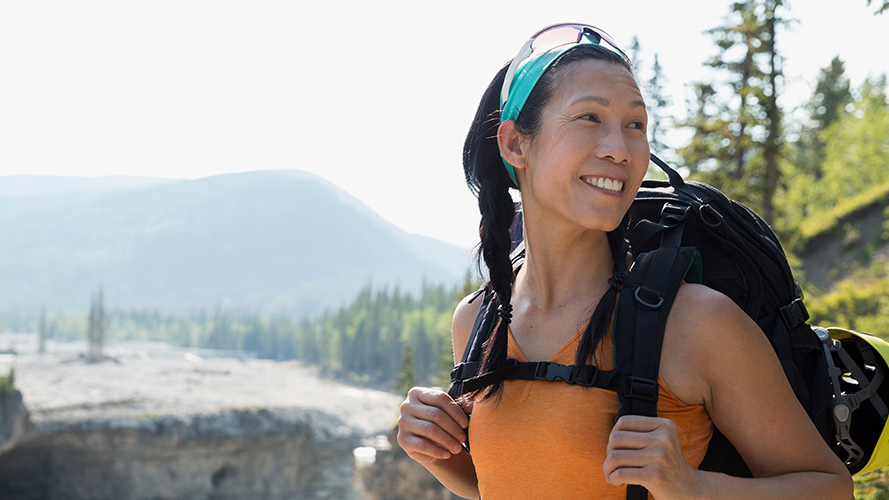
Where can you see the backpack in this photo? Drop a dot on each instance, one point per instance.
(690, 231)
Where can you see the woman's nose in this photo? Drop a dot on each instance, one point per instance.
(613, 146)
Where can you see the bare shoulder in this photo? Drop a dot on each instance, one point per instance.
(464, 319)
(700, 312)
(704, 330)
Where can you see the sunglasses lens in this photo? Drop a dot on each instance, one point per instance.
(551, 38)
(556, 37)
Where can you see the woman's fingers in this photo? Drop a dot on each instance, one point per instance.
(431, 425)
(441, 401)
(646, 451)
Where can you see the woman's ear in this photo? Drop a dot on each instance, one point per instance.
(513, 145)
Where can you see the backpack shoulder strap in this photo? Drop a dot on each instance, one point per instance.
(641, 319)
(470, 362)
(642, 312)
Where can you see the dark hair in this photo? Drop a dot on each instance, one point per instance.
(487, 178)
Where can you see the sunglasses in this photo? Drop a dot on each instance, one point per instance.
(552, 37)
(535, 57)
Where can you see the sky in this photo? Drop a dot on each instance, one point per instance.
(375, 97)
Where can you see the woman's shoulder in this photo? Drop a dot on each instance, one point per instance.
(705, 327)
(464, 319)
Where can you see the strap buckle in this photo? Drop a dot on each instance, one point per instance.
(642, 388)
(553, 372)
(794, 314)
(464, 371)
(673, 214)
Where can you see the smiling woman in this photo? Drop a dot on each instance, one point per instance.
(565, 124)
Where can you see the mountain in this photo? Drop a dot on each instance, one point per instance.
(267, 240)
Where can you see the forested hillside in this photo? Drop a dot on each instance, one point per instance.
(265, 241)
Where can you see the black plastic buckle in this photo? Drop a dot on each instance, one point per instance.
(794, 314)
(643, 388)
(653, 299)
(671, 209)
(464, 371)
(553, 372)
(457, 372)
(674, 214)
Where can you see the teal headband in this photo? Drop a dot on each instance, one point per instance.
(525, 78)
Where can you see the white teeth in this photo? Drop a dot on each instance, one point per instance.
(612, 185)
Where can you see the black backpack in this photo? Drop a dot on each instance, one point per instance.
(691, 231)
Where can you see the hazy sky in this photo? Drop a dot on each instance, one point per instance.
(375, 96)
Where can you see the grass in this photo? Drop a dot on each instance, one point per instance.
(873, 486)
(826, 221)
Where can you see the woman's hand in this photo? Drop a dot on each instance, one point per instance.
(431, 425)
(646, 451)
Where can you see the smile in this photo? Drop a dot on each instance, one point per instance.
(613, 185)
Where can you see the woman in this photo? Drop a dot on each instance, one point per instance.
(565, 123)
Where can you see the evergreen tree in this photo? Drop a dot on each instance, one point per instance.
(829, 100)
(737, 122)
(658, 101)
(96, 328)
(882, 8)
(633, 52)
(407, 376)
(832, 94)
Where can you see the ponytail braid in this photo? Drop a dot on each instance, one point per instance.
(489, 181)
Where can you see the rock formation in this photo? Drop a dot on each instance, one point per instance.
(255, 454)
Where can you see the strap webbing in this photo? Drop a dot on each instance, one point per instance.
(586, 376)
(641, 320)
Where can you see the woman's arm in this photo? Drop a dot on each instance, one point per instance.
(431, 426)
(715, 355)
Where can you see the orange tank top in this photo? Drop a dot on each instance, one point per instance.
(548, 439)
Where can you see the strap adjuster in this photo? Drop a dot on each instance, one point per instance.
(652, 299)
(464, 371)
(794, 314)
(672, 209)
(553, 372)
(643, 388)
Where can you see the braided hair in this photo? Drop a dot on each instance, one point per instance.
(488, 180)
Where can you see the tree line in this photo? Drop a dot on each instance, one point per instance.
(385, 337)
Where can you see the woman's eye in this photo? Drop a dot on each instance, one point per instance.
(591, 118)
(638, 125)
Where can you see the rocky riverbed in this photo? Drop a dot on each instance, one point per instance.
(156, 421)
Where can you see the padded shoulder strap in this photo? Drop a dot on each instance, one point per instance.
(472, 354)
(642, 312)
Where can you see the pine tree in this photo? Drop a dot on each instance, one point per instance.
(633, 52)
(407, 377)
(829, 100)
(96, 328)
(737, 128)
(657, 103)
(882, 8)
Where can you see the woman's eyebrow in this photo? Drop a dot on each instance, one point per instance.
(637, 103)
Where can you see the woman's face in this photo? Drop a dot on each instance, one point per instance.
(588, 158)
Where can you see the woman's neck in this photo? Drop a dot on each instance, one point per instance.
(563, 265)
